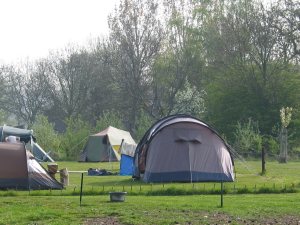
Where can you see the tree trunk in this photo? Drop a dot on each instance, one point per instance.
(283, 145)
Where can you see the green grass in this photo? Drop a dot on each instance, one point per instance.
(252, 198)
(196, 209)
(280, 178)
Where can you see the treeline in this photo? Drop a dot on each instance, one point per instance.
(234, 64)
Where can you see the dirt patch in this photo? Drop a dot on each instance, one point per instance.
(215, 218)
(102, 221)
(290, 220)
(221, 218)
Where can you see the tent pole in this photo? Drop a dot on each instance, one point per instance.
(81, 184)
(221, 194)
(110, 156)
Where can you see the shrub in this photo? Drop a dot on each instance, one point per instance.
(73, 140)
(109, 118)
(143, 124)
(247, 138)
(46, 136)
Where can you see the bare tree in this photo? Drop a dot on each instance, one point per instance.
(180, 60)
(135, 36)
(287, 23)
(24, 95)
(68, 79)
(104, 84)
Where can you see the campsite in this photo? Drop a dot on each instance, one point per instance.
(177, 112)
(253, 198)
(180, 203)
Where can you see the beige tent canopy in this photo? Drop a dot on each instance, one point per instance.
(183, 148)
(105, 146)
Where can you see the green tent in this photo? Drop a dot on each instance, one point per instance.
(105, 146)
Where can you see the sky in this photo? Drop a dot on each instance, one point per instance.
(30, 29)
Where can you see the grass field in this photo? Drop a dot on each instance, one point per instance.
(279, 178)
(266, 200)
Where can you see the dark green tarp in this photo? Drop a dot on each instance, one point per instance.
(24, 134)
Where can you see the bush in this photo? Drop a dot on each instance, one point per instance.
(143, 124)
(74, 139)
(272, 145)
(248, 140)
(109, 118)
(46, 136)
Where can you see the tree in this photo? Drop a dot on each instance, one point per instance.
(179, 62)
(109, 118)
(103, 85)
(46, 136)
(2, 82)
(143, 124)
(190, 101)
(248, 140)
(286, 22)
(24, 93)
(248, 70)
(135, 37)
(285, 117)
(74, 139)
(69, 80)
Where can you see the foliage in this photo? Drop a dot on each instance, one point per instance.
(224, 61)
(2, 117)
(272, 145)
(135, 36)
(73, 140)
(24, 96)
(143, 124)
(247, 138)
(68, 78)
(109, 118)
(46, 136)
(249, 77)
(286, 116)
(189, 101)
(7, 119)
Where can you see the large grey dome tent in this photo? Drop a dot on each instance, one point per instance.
(181, 148)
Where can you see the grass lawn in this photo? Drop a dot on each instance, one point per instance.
(279, 178)
(192, 209)
(175, 203)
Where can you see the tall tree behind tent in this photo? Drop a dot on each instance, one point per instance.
(105, 146)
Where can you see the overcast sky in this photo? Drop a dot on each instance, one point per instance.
(31, 28)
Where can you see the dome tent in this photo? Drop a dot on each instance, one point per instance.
(20, 170)
(105, 146)
(181, 148)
